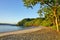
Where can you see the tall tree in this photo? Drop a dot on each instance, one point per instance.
(50, 8)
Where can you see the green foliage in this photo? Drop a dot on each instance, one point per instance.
(46, 23)
(28, 24)
(35, 22)
(50, 9)
(22, 22)
(53, 27)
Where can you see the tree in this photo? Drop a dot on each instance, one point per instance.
(50, 8)
(22, 22)
(28, 24)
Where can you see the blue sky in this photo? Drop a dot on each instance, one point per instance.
(12, 11)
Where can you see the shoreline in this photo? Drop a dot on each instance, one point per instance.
(22, 31)
(44, 33)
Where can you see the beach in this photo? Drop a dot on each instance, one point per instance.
(42, 34)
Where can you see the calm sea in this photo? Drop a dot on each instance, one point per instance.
(7, 28)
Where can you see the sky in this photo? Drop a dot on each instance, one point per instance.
(12, 11)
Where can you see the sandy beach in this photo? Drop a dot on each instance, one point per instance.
(32, 34)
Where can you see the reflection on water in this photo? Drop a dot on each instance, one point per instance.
(7, 28)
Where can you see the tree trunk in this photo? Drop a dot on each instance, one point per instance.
(56, 19)
(57, 24)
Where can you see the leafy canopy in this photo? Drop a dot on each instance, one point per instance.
(45, 5)
(49, 8)
(30, 3)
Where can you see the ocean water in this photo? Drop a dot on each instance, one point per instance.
(7, 28)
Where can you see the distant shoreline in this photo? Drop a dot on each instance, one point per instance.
(7, 24)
